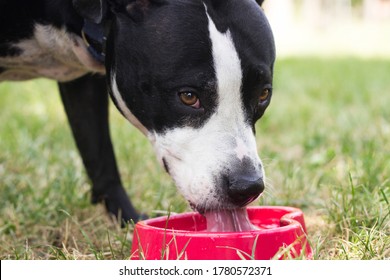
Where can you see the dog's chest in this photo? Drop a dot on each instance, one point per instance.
(52, 53)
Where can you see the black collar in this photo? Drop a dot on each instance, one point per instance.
(94, 36)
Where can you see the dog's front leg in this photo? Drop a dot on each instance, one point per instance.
(86, 105)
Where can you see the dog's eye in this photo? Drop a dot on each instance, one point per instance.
(264, 95)
(190, 99)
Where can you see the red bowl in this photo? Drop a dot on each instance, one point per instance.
(281, 234)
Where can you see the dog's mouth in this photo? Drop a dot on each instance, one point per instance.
(228, 220)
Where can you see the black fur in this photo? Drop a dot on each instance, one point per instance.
(92, 10)
(157, 73)
(156, 49)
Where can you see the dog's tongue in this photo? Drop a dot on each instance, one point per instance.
(228, 220)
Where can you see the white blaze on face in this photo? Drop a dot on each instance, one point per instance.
(196, 157)
(229, 75)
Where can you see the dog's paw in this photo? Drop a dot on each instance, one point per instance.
(119, 206)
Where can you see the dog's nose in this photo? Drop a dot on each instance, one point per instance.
(245, 189)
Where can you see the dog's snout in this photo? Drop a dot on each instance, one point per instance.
(245, 189)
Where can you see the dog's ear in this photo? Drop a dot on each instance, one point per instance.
(260, 2)
(92, 10)
(138, 8)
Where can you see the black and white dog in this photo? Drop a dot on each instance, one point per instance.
(193, 75)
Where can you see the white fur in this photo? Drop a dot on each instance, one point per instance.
(241, 149)
(197, 157)
(52, 53)
(123, 107)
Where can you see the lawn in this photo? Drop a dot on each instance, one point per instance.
(325, 142)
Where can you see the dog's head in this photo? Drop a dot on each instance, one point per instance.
(195, 76)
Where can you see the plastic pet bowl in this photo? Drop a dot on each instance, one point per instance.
(281, 234)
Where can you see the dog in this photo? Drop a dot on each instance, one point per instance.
(193, 76)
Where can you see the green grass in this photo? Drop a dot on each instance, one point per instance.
(325, 143)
